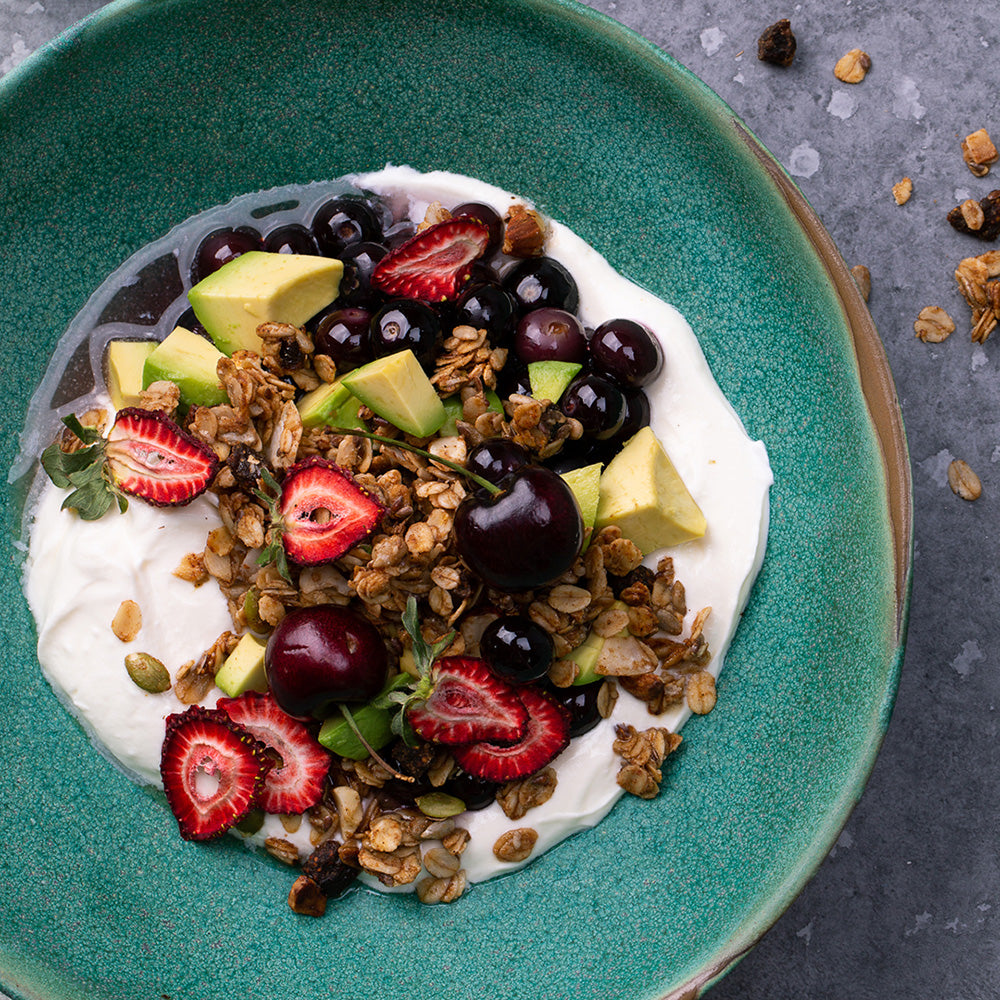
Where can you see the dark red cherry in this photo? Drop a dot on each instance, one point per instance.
(494, 458)
(550, 334)
(322, 655)
(525, 536)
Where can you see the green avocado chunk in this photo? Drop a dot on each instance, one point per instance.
(259, 287)
(549, 378)
(333, 405)
(125, 362)
(397, 389)
(375, 725)
(453, 412)
(243, 669)
(586, 486)
(190, 362)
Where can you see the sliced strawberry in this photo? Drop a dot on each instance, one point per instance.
(467, 703)
(546, 736)
(434, 264)
(213, 771)
(152, 458)
(323, 512)
(296, 783)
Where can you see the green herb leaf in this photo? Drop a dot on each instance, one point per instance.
(274, 551)
(85, 470)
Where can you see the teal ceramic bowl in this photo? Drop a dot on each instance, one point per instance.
(151, 111)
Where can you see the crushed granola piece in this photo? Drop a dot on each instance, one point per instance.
(777, 44)
(442, 890)
(988, 229)
(902, 190)
(456, 841)
(441, 863)
(853, 66)
(283, 850)
(963, 481)
(607, 697)
(863, 279)
(349, 810)
(933, 325)
(127, 621)
(306, 897)
(563, 672)
(701, 694)
(517, 797)
(643, 753)
(515, 845)
(196, 677)
(192, 569)
(979, 152)
(163, 396)
(524, 232)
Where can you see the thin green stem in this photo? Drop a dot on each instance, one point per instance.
(346, 712)
(393, 442)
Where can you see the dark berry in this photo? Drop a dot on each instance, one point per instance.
(359, 261)
(637, 414)
(476, 793)
(406, 323)
(344, 335)
(220, 247)
(517, 649)
(488, 217)
(487, 307)
(581, 703)
(343, 222)
(550, 334)
(326, 869)
(542, 281)
(513, 378)
(495, 458)
(626, 352)
(292, 238)
(597, 403)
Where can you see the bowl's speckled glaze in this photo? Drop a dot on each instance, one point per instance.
(151, 111)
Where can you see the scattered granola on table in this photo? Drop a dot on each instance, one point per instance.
(902, 190)
(963, 481)
(933, 325)
(979, 152)
(979, 282)
(776, 44)
(853, 66)
(980, 219)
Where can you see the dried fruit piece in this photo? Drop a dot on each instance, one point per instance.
(466, 703)
(546, 736)
(902, 190)
(853, 66)
(434, 264)
(963, 481)
(213, 771)
(979, 152)
(524, 232)
(777, 44)
(326, 868)
(933, 325)
(295, 783)
(989, 228)
(150, 457)
(147, 672)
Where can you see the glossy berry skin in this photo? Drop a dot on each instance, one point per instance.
(542, 281)
(476, 793)
(359, 261)
(581, 703)
(495, 458)
(627, 352)
(220, 247)
(342, 222)
(637, 416)
(550, 334)
(488, 307)
(597, 403)
(292, 238)
(344, 335)
(488, 217)
(320, 656)
(526, 536)
(406, 323)
(517, 649)
(513, 378)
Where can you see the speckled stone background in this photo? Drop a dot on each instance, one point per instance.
(907, 904)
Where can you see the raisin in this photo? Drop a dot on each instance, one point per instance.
(641, 574)
(328, 871)
(777, 44)
(246, 466)
(990, 229)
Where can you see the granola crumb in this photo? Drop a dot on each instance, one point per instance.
(776, 44)
(127, 621)
(515, 845)
(306, 897)
(902, 191)
(853, 66)
(981, 219)
(979, 152)
(963, 481)
(524, 232)
(933, 325)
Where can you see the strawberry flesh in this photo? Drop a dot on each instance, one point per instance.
(152, 458)
(468, 703)
(434, 264)
(546, 736)
(213, 771)
(296, 783)
(324, 512)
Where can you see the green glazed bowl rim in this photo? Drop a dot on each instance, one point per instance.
(873, 376)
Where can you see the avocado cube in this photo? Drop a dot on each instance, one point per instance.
(333, 405)
(397, 389)
(453, 412)
(125, 361)
(643, 494)
(586, 486)
(190, 362)
(259, 287)
(549, 379)
(243, 669)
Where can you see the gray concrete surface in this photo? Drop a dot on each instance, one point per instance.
(907, 904)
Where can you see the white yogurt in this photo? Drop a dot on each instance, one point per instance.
(78, 573)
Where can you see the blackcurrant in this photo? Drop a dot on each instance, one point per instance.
(627, 352)
(542, 281)
(597, 403)
(517, 649)
(406, 323)
(342, 222)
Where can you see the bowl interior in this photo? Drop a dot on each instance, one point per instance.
(151, 111)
